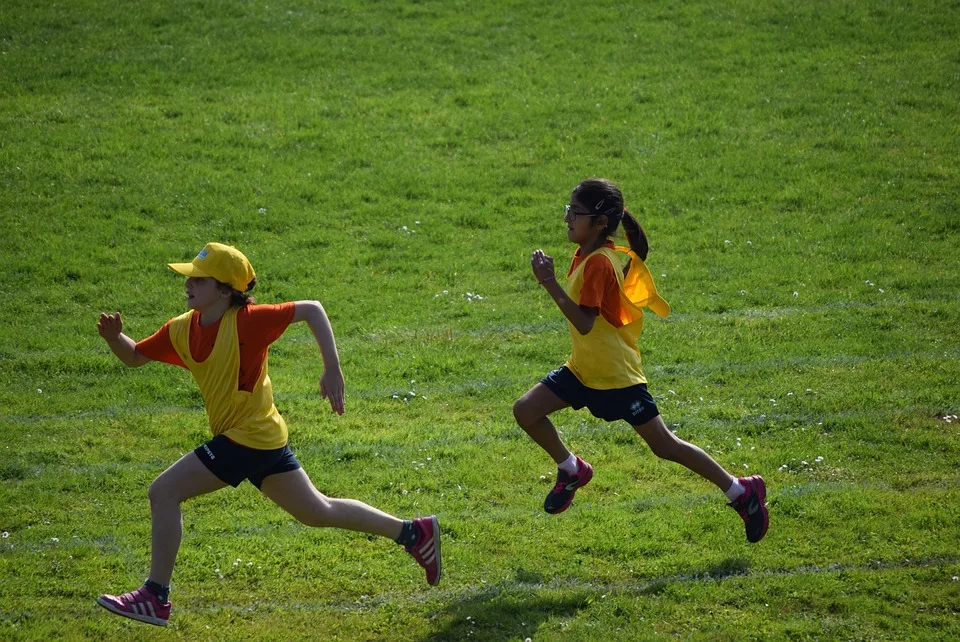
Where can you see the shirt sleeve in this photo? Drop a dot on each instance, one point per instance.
(158, 347)
(261, 325)
(601, 290)
(599, 282)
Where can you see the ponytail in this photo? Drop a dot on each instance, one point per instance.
(635, 235)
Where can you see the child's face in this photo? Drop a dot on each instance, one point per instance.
(582, 227)
(203, 292)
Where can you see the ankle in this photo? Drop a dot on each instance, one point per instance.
(569, 465)
(161, 591)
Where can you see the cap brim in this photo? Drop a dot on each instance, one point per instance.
(188, 269)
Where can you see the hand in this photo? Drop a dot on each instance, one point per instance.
(331, 387)
(110, 326)
(542, 265)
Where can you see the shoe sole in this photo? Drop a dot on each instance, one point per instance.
(436, 546)
(139, 618)
(762, 498)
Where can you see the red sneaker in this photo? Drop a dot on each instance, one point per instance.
(558, 499)
(427, 549)
(141, 605)
(752, 508)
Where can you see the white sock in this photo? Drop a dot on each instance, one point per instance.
(736, 489)
(570, 465)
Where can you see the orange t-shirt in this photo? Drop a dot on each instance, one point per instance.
(257, 327)
(600, 287)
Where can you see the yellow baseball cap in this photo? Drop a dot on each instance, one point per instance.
(221, 262)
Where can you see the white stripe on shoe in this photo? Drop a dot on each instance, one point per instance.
(428, 552)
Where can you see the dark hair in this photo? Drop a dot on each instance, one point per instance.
(603, 197)
(239, 299)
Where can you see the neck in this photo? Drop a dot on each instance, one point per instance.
(214, 312)
(592, 246)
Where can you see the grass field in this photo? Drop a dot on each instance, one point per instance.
(795, 166)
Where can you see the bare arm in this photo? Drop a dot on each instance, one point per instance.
(110, 327)
(331, 382)
(581, 317)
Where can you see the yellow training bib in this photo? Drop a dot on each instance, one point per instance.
(247, 418)
(607, 357)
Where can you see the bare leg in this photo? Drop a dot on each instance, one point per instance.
(294, 492)
(531, 412)
(186, 478)
(667, 445)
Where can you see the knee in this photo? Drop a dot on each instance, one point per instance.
(161, 493)
(667, 448)
(523, 413)
(319, 515)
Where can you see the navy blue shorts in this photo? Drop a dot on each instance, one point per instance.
(232, 463)
(633, 404)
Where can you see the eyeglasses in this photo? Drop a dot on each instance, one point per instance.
(570, 213)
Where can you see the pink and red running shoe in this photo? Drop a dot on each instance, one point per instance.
(140, 605)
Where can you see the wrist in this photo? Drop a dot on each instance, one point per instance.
(547, 280)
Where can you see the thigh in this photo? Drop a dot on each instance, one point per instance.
(187, 477)
(292, 491)
(540, 401)
(655, 432)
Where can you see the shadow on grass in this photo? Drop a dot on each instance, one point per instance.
(516, 610)
(508, 612)
(729, 567)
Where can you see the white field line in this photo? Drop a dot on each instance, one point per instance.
(673, 416)
(444, 598)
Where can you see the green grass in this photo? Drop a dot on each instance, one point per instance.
(795, 167)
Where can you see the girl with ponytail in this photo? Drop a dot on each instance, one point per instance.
(603, 305)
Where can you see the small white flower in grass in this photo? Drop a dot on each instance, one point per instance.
(54, 539)
(726, 242)
(262, 210)
(446, 291)
(818, 459)
(880, 290)
(749, 242)
(416, 222)
(743, 292)
(39, 391)
(796, 294)
(956, 579)
(804, 463)
(6, 534)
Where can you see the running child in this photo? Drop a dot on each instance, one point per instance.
(223, 340)
(602, 304)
